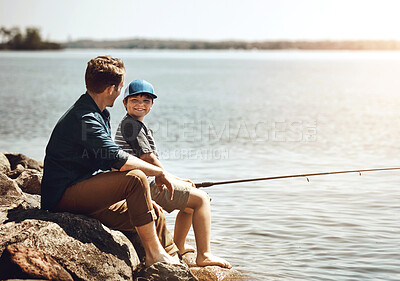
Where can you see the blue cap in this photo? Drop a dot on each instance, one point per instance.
(139, 86)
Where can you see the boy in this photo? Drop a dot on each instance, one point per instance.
(194, 205)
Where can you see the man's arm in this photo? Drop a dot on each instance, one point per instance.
(152, 159)
(162, 177)
(148, 168)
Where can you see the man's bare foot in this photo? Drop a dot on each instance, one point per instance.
(209, 259)
(162, 257)
(187, 249)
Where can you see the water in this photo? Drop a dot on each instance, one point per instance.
(230, 115)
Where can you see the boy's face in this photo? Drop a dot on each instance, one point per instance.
(138, 105)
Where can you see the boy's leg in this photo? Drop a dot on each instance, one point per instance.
(179, 202)
(200, 203)
(183, 222)
(94, 197)
(190, 199)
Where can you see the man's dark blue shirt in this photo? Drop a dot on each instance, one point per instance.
(79, 147)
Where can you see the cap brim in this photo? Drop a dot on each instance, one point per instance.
(138, 93)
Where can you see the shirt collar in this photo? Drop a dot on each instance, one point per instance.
(86, 98)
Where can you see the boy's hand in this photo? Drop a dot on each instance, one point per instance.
(165, 180)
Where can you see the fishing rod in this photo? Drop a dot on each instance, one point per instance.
(208, 184)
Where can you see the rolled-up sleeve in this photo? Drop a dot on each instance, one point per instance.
(122, 158)
(99, 145)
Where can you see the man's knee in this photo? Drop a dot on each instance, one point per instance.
(138, 177)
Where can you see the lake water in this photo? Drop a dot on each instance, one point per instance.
(225, 115)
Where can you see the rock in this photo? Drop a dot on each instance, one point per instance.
(31, 201)
(8, 187)
(161, 271)
(12, 197)
(18, 261)
(81, 245)
(216, 273)
(16, 172)
(211, 273)
(29, 181)
(26, 162)
(5, 166)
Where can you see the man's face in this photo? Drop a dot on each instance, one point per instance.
(138, 105)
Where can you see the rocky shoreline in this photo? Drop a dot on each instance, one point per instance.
(37, 244)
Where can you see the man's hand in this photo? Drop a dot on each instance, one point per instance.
(189, 181)
(157, 208)
(165, 180)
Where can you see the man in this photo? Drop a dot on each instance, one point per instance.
(79, 158)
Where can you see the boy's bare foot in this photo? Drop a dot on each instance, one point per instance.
(187, 249)
(209, 259)
(163, 257)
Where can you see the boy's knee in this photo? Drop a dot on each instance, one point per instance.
(198, 198)
(204, 196)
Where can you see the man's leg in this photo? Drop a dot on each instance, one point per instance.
(94, 196)
(154, 251)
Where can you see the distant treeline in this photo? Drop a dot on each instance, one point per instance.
(13, 39)
(236, 45)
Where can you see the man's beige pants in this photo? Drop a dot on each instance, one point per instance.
(119, 200)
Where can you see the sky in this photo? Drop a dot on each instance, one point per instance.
(214, 20)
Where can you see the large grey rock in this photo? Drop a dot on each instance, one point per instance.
(83, 246)
(18, 261)
(5, 166)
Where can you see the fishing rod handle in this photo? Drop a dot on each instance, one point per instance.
(204, 184)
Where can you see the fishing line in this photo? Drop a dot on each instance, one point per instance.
(208, 184)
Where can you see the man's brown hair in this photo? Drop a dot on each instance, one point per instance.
(103, 71)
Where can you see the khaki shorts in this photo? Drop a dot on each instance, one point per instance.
(181, 195)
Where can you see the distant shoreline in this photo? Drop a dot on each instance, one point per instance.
(143, 44)
(14, 39)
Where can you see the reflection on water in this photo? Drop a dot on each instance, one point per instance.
(231, 115)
